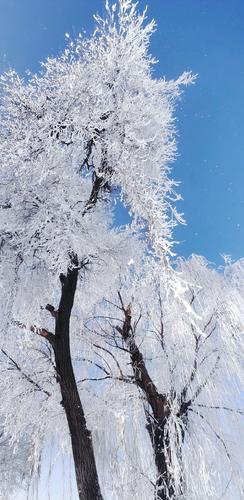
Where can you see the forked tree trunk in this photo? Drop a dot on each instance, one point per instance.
(160, 413)
(83, 454)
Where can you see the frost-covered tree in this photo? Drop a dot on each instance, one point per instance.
(94, 121)
(99, 330)
(177, 348)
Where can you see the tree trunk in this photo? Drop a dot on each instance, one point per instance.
(165, 489)
(160, 412)
(84, 460)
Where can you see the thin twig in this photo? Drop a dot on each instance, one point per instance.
(239, 411)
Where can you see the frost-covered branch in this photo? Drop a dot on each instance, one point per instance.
(23, 374)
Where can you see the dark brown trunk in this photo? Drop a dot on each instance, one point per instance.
(160, 412)
(84, 460)
(165, 489)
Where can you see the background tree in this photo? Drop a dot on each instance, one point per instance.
(179, 354)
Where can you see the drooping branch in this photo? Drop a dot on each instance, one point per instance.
(112, 356)
(206, 381)
(100, 367)
(24, 375)
(194, 368)
(217, 407)
(187, 404)
(218, 437)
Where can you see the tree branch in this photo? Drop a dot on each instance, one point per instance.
(44, 333)
(201, 387)
(52, 310)
(112, 355)
(226, 408)
(24, 375)
(157, 401)
(127, 380)
(194, 369)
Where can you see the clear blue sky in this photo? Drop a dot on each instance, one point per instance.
(206, 36)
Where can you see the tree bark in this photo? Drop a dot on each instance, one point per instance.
(83, 454)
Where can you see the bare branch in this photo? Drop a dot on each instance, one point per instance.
(194, 369)
(127, 380)
(96, 364)
(226, 408)
(211, 331)
(112, 304)
(24, 375)
(95, 379)
(112, 355)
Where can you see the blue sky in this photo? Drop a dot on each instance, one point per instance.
(206, 36)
